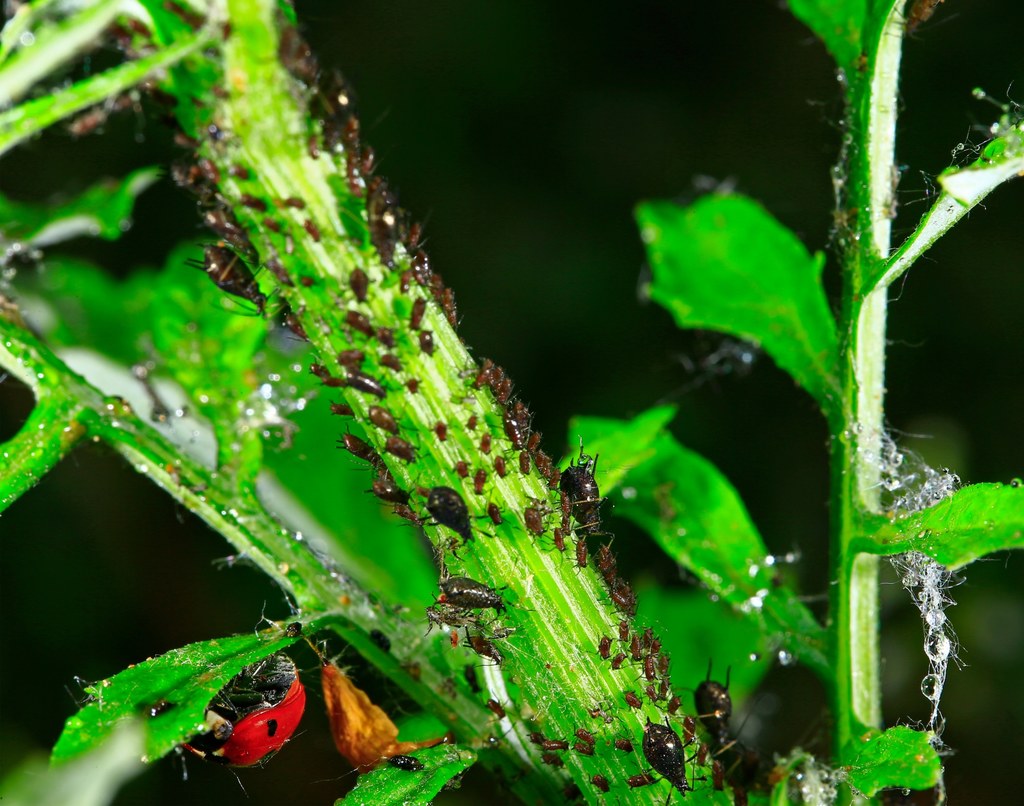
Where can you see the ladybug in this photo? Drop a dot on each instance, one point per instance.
(253, 716)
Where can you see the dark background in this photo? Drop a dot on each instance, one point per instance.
(523, 134)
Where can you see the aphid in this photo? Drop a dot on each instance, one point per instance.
(397, 446)
(223, 223)
(618, 660)
(253, 715)
(253, 203)
(447, 301)
(524, 463)
(650, 670)
(447, 508)
(717, 775)
(461, 469)
(494, 513)
(647, 638)
(239, 172)
(361, 450)
(272, 225)
(554, 744)
(386, 336)
(484, 648)
(625, 745)
(496, 708)
(383, 419)
(392, 362)
(405, 281)
(581, 553)
(470, 594)
(584, 748)
(485, 443)
(536, 737)
(634, 647)
(689, 728)
(642, 779)
(441, 430)
(584, 735)
(554, 478)
(664, 752)
(278, 270)
(559, 539)
(385, 220)
(296, 56)
(295, 326)
(351, 358)
(359, 283)
(552, 760)
(714, 706)
(578, 482)
(663, 661)
(623, 625)
(517, 424)
(479, 480)
(342, 409)
(360, 322)
(381, 640)
(427, 342)
(483, 376)
(673, 705)
(623, 596)
(632, 700)
(450, 616)
(920, 12)
(294, 202)
(404, 511)
(407, 763)
(230, 274)
(365, 383)
(419, 307)
(534, 519)
(652, 693)
(312, 229)
(534, 441)
(600, 782)
(604, 648)
(655, 646)
(471, 423)
(209, 170)
(607, 566)
(386, 489)
(499, 466)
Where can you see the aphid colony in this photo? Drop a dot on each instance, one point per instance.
(373, 369)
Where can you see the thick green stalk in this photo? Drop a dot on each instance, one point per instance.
(858, 447)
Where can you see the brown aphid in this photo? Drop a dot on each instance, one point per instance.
(296, 56)
(652, 693)
(625, 745)
(483, 376)
(223, 223)
(647, 639)
(278, 270)
(359, 283)
(534, 519)
(383, 419)
(631, 699)
(420, 265)
(634, 647)
(367, 161)
(427, 342)
(584, 748)
(921, 11)
(606, 564)
(554, 744)
(361, 450)
(392, 362)
(581, 553)
(384, 217)
(643, 779)
(600, 782)
(485, 443)
(441, 430)
(447, 301)
(294, 202)
(405, 511)
(230, 274)
(604, 648)
(386, 489)
(292, 322)
(655, 646)
(524, 463)
(663, 661)
(342, 408)
(673, 705)
(623, 596)
(313, 147)
(405, 281)
(351, 359)
(504, 391)
(618, 660)
(500, 467)
(397, 446)
(209, 170)
(239, 172)
(496, 708)
(552, 760)
(479, 480)
(253, 203)
(536, 737)
(559, 539)
(462, 469)
(312, 229)
(664, 688)
(517, 424)
(484, 648)
(623, 625)
(419, 307)
(534, 441)
(494, 513)
(360, 322)
(413, 385)
(364, 383)
(650, 670)
(271, 224)
(471, 423)
(689, 728)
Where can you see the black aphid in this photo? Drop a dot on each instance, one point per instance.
(663, 750)
(578, 483)
(470, 594)
(448, 509)
(231, 275)
(714, 706)
(407, 763)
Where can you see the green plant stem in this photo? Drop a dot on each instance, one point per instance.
(856, 694)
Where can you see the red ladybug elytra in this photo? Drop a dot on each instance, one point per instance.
(253, 716)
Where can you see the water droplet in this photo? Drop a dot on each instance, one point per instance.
(27, 39)
(931, 687)
(934, 619)
(786, 658)
(1015, 482)
(629, 493)
(755, 657)
(937, 647)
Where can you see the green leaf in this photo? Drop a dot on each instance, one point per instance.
(92, 779)
(725, 264)
(188, 678)
(900, 757)
(696, 516)
(975, 521)
(837, 23)
(103, 211)
(390, 785)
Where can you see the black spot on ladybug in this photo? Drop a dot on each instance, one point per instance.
(663, 750)
(271, 727)
(407, 763)
(447, 508)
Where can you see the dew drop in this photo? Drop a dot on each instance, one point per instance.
(931, 687)
(786, 658)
